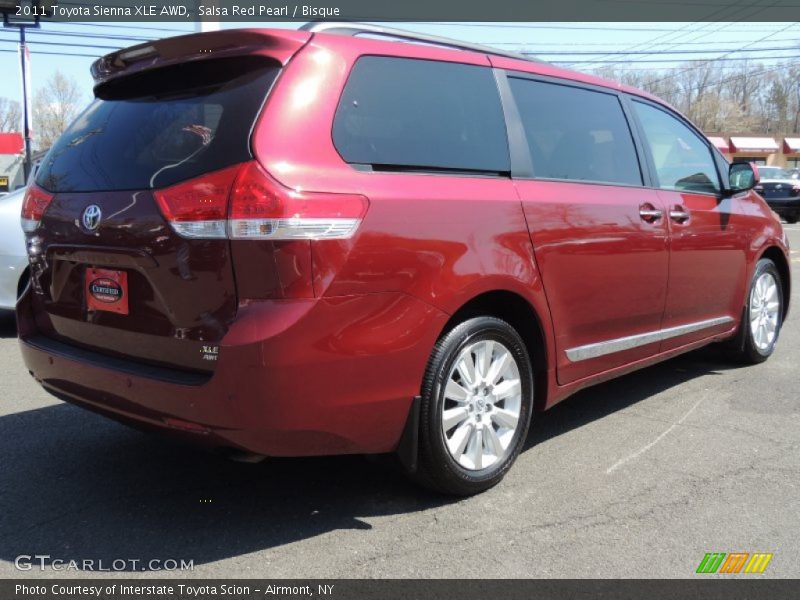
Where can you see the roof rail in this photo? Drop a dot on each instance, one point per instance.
(353, 29)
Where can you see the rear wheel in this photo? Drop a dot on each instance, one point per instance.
(477, 399)
(793, 218)
(763, 314)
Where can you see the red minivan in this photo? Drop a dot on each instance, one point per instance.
(352, 239)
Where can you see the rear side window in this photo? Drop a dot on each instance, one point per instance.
(163, 126)
(398, 112)
(682, 158)
(576, 134)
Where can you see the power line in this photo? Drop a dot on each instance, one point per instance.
(793, 47)
(573, 26)
(669, 35)
(68, 44)
(727, 79)
(749, 74)
(144, 38)
(81, 35)
(109, 26)
(95, 56)
(703, 30)
(766, 37)
(665, 60)
(687, 43)
(682, 67)
(544, 52)
(572, 43)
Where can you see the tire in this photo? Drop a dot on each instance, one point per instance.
(792, 219)
(466, 459)
(762, 317)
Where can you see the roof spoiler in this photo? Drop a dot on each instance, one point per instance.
(280, 44)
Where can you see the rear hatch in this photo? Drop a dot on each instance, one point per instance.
(114, 275)
(779, 190)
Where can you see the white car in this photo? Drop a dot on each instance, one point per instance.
(13, 255)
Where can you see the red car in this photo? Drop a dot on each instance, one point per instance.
(311, 242)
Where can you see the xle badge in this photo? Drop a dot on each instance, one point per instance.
(209, 352)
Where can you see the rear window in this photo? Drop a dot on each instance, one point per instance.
(774, 173)
(400, 112)
(161, 127)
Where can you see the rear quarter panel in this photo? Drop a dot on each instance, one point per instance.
(442, 239)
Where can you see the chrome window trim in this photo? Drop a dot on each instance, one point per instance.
(642, 339)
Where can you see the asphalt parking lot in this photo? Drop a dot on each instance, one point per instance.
(638, 477)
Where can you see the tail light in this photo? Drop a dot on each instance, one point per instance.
(244, 202)
(263, 209)
(34, 204)
(198, 208)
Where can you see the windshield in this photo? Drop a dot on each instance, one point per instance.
(774, 173)
(161, 127)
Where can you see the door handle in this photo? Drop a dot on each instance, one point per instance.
(649, 213)
(679, 214)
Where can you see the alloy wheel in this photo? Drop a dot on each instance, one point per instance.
(482, 404)
(764, 311)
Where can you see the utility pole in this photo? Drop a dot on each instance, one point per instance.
(209, 22)
(36, 10)
(26, 101)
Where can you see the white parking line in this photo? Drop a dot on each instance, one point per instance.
(644, 449)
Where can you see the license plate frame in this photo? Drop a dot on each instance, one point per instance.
(106, 290)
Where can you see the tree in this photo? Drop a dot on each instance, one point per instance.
(10, 115)
(735, 97)
(55, 106)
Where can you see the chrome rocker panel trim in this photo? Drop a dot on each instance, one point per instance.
(642, 339)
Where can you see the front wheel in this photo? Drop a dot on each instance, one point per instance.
(792, 219)
(763, 314)
(477, 399)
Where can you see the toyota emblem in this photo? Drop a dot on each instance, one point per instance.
(91, 217)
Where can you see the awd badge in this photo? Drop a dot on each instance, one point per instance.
(209, 352)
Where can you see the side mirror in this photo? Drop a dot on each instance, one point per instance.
(742, 177)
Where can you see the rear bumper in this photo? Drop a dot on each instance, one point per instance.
(293, 377)
(789, 204)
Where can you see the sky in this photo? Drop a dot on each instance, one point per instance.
(71, 48)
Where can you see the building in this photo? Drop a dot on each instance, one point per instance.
(763, 150)
(12, 155)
